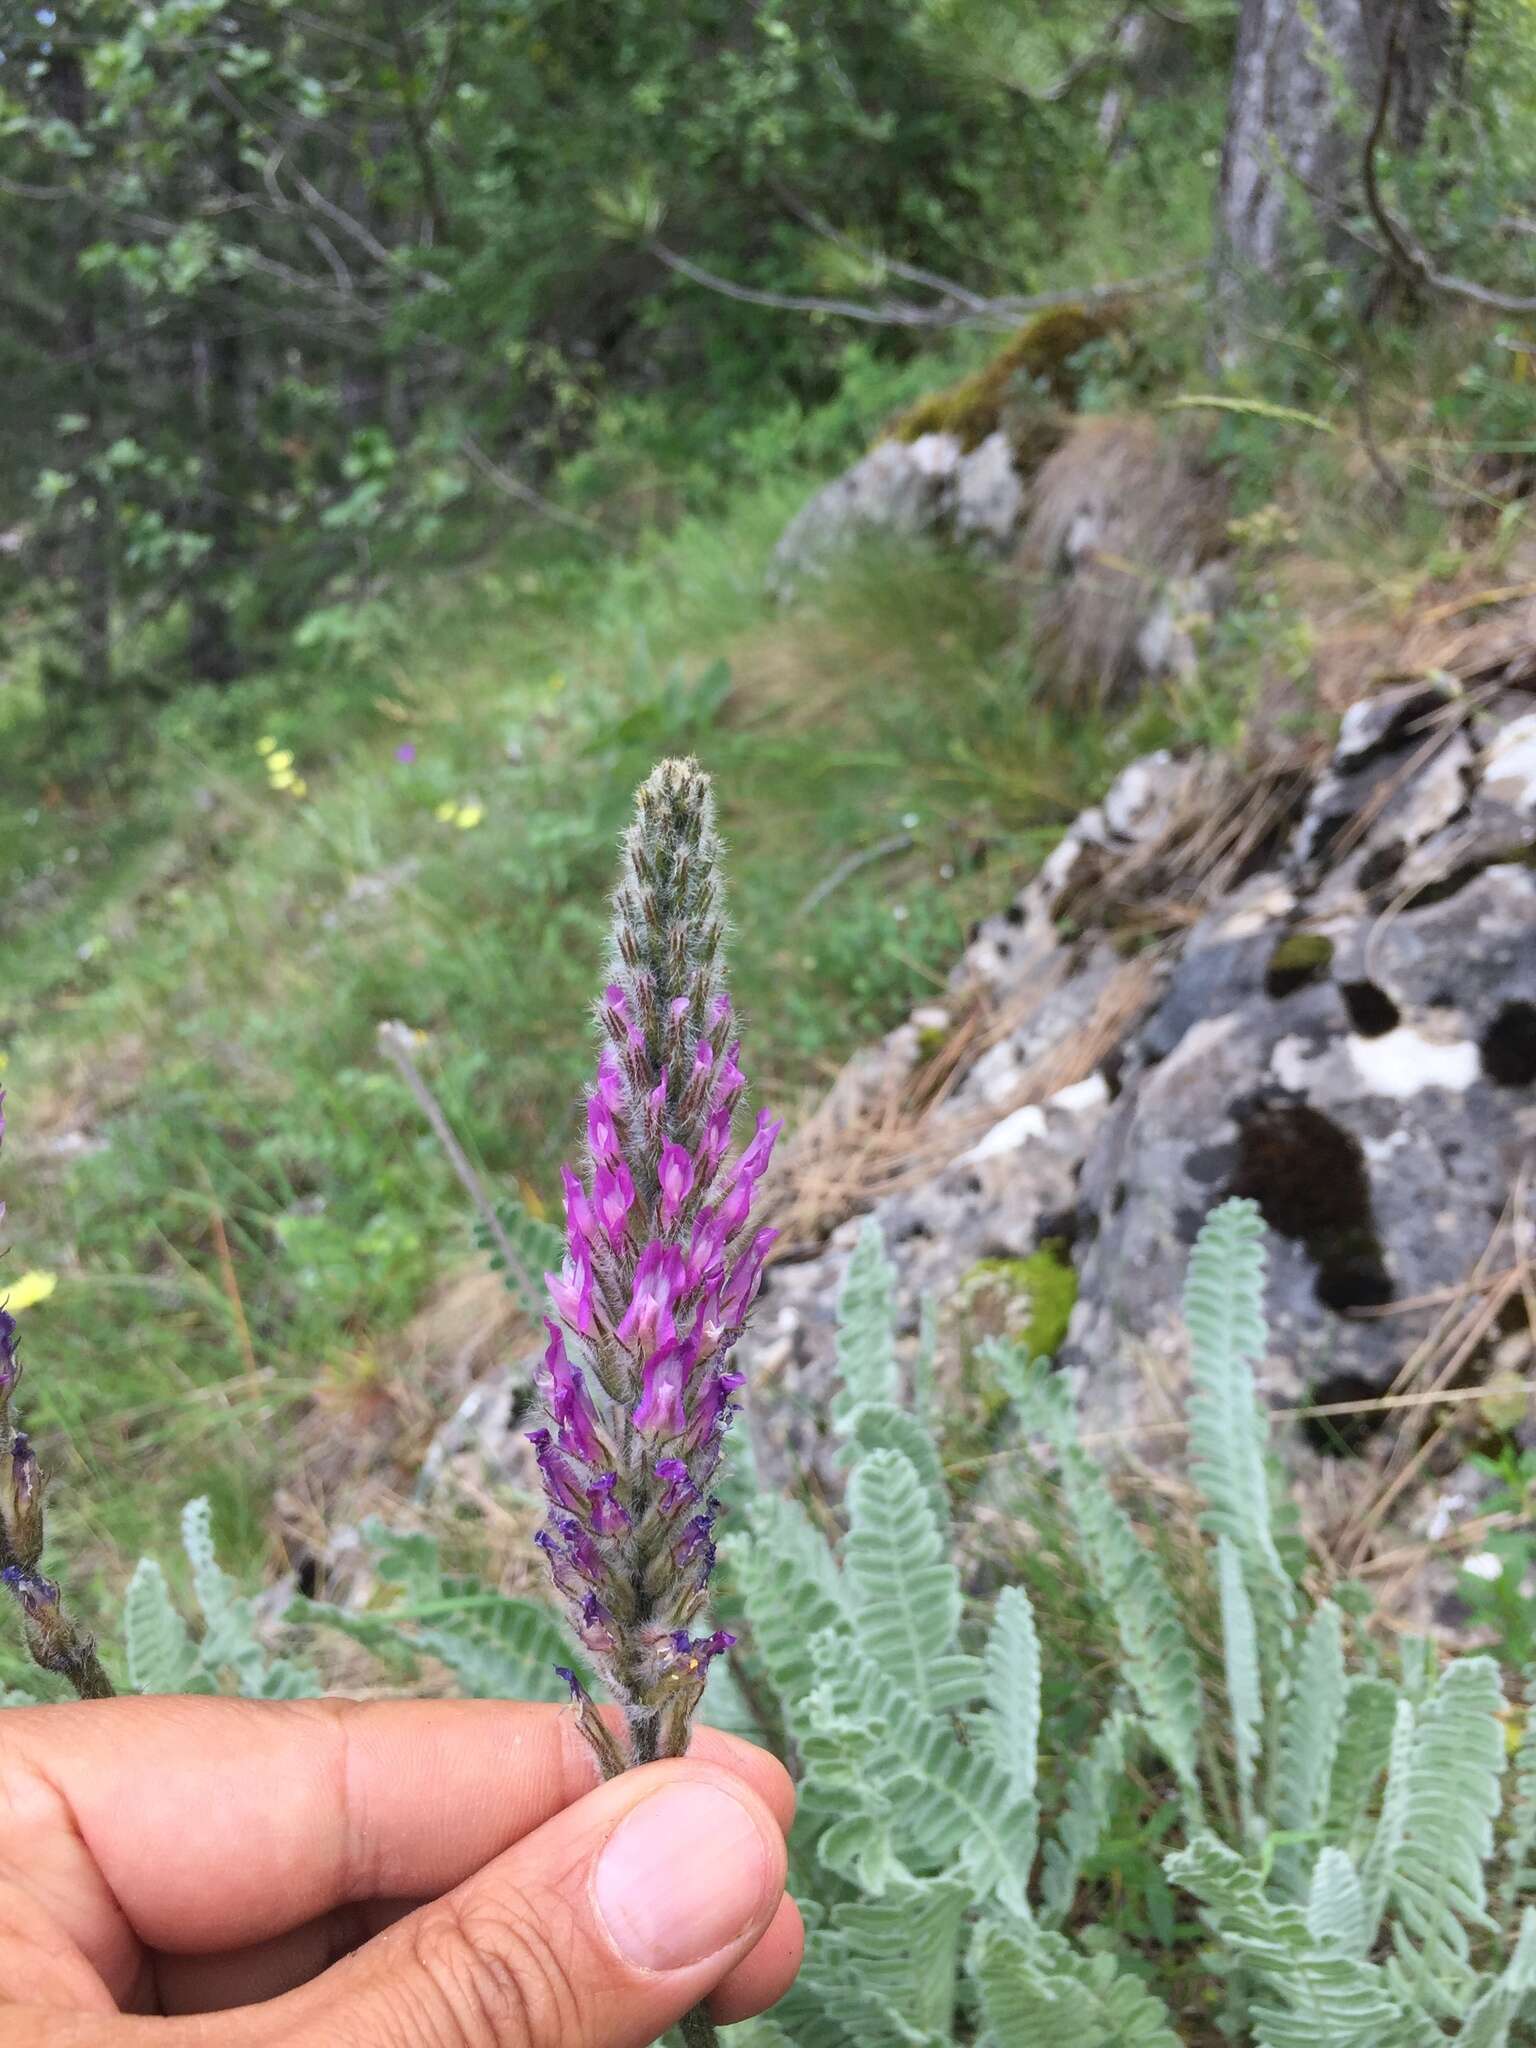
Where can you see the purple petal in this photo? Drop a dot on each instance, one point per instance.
(659, 1411)
(676, 1177)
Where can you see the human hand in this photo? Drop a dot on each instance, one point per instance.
(176, 1873)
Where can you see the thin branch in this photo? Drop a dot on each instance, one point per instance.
(1000, 313)
(513, 487)
(395, 1043)
(899, 842)
(1403, 248)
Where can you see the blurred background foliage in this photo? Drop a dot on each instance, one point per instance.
(401, 404)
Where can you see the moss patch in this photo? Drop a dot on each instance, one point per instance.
(1299, 959)
(1030, 379)
(1030, 1300)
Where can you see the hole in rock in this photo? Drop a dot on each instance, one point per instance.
(307, 1575)
(1372, 1012)
(1309, 1179)
(1342, 1436)
(1508, 1046)
(1014, 913)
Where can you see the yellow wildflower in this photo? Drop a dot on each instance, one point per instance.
(28, 1291)
(284, 779)
(298, 786)
(266, 744)
(278, 762)
(470, 815)
(447, 812)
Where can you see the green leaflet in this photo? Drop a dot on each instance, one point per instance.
(1011, 1675)
(902, 1589)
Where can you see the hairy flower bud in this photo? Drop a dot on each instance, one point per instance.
(636, 1380)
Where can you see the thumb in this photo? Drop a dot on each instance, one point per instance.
(599, 1930)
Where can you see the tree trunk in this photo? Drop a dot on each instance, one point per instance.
(1306, 82)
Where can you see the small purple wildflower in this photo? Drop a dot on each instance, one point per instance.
(656, 1285)
(405, 753)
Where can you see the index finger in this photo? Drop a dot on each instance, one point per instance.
(215, 1823)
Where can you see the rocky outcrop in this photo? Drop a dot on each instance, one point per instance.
(1317, 988)
(1344, 1028)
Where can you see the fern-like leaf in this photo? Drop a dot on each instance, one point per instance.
(162, 1657)
(1159, 1664)
(497, 1647)
(950, 1804)
(1488, 2021)
(1364, 1743)
(790, 1591)
(1437, 1882)
(1228, 1430)
(877, 1426)
(1036, 1991)
(1320, 1997)
(1011, 1666)
(1240, 1647)
(1336, 1905)
(1309, 1741)
(903, 1591)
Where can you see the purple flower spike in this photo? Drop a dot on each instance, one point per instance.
(661, 1269)
(676, 1175)
(613, 1196)
(660, 1409)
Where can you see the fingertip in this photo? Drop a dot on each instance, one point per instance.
(761, 1979)
(757, 1767)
